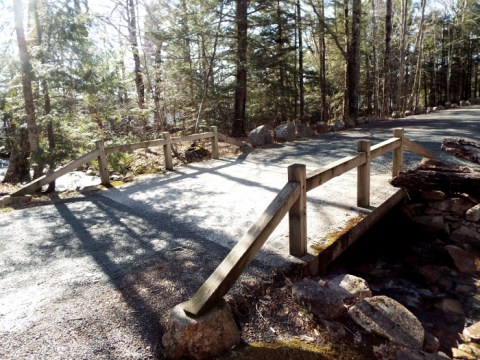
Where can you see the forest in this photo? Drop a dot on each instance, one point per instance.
(75, 71)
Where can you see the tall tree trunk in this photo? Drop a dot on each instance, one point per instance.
(354, 62)
(280, 55)
(401, 70)
(139, 83)
(300, 63)
(209, 71)
(27, 77)
(239, 120)
(47, 107)
(18, 166)
(346, 97)
(352, 76)
(414, 95)
(374, 59)
(386, 58)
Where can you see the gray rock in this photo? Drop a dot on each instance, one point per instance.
(431, 344)
(303, 131)
(390, 319)
(473, 214)
(454, 106)
(429, 110)
(440, 107)
(360, 121)
(203, 337)
(465, 262)
(407, 113)
(284, 132)
(464, 234)
(450, 306)
(409, 354)
(323, 302)
(322, 127)
(473, 331)
(434, 195)
(448, 105)
(350, 287)
(431, 223)
(260, 136)
(339, 125)
(463, 103)
(455, 205)
(396, 114)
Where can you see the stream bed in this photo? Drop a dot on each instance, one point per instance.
(400, 260)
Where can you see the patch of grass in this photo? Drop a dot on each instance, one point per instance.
(296, 349)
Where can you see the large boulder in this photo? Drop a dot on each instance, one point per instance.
(464, 261)
(284, 132)
(303, 131)
(260, 136)
(473, 214)
(466, 235)
(388, 318)
(203, 337)
(324, 303)
(350, 287)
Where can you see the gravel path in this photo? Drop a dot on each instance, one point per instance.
(95, 277)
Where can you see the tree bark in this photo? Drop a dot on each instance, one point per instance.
(386, 58)
(239, 120)
(18, 167)
(300, 63)
(139, 83)
(27, 78)
(353, 63)
(465, 149)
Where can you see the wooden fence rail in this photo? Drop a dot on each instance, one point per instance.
(101, 152)
(292, 199)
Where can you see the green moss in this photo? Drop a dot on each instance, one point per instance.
(6, 209)
(334, 236)
(295, 349)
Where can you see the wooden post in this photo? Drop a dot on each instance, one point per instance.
(167, 150)
(102, 163)
(363, 176)
(214, 142)
(398, 152)
(298, 212)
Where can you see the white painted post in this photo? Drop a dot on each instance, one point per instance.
(397, 164)
(102, 163)
(214, 142)
(167, 150)
(363, 176)
(298, 212)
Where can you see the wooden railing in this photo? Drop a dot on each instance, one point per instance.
(101, 152)
(293, 199)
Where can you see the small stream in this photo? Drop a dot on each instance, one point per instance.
(399, 260)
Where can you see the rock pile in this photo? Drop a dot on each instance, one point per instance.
(422, 299)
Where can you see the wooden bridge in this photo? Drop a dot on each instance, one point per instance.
(291, 199)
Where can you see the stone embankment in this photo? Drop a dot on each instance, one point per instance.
(446, 268)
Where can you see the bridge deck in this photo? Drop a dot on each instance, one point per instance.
(219, 200)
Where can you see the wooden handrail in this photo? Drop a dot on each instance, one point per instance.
(101, 151)
(334, 169)
(225, 275)
(384, 147)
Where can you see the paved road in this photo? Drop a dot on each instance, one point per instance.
(180, 225)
